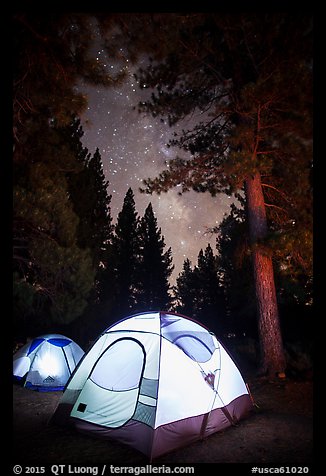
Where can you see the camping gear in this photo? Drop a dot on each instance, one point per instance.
(47, 362)
(155, 381)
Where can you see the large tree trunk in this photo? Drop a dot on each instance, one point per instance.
(271, 346)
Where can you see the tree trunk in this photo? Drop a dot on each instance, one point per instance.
(271, 346)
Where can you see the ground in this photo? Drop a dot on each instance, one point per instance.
(279, 432)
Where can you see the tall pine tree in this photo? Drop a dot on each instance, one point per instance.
(88, 190)
(53, 272)
(251, 81)
(186, 291)
(200, 294)
(49, 264)
(235, 267)
(211, 309)
(92, 204)
(125, 258)
(155, 266)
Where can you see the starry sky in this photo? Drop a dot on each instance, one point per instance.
(133, 147)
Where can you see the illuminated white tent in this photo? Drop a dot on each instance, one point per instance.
(155, 381)
(47, 362)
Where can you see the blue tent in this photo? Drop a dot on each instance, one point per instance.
(46, 362)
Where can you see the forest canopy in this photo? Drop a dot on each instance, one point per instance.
(250, 76)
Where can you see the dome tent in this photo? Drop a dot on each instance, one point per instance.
(47, 362)
(155, 381)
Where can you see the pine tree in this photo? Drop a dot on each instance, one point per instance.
(53, 273)
(92, 204)
(47, 259)
(89, 193)
(155, 266)
(186, 291)
(211, 300)
(88, 189)
(200, 294)
(235, 268)
(125, 258)
(251, 81)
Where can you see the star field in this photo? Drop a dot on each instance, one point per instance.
(133, 147)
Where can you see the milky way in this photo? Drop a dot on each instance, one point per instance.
(133, 147)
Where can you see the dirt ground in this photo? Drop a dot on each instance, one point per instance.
(279, 432)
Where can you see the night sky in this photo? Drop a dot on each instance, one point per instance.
(133, 147)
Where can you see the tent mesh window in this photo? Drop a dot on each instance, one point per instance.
(145, 414)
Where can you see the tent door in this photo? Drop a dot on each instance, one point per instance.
(110, 394)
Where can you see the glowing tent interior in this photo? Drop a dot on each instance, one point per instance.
(155, 381)
(47, 362)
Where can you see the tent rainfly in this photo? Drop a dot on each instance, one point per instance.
(47, 362)
(155, 381)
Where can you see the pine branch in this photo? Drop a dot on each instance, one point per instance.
(276, 206)
(277, 190)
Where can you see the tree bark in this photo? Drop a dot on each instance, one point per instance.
(271, 345)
